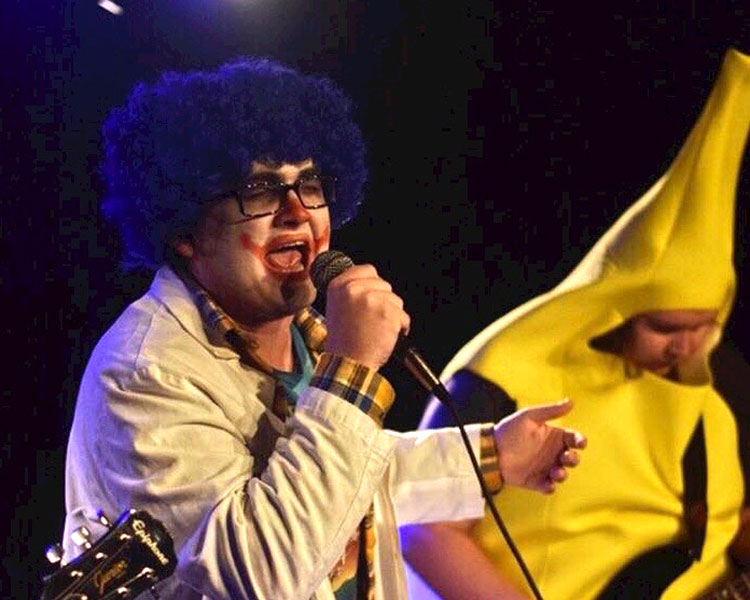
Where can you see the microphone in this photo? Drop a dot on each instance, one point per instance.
(332, 263)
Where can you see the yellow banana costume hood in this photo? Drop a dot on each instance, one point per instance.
(672, 249)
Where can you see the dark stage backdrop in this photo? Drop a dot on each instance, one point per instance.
(503, 141)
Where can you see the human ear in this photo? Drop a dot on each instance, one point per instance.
(183, 246)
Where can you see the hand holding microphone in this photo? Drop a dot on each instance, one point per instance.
(353, 288)
(364, 316)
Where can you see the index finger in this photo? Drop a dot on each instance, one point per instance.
(574, 439)
(546, 412)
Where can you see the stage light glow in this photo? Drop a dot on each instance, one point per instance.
(110, 6)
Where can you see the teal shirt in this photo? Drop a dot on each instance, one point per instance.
(299, 378)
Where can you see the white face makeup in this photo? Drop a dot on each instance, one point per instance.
(257, 269)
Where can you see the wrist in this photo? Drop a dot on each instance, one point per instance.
(489, 459)
(354, 382)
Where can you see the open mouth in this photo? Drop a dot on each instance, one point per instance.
(288, 257)
(662, 367)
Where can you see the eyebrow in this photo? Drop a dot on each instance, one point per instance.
(274, 177)
(658, 323)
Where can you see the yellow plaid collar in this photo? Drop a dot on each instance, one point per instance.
(310, 323)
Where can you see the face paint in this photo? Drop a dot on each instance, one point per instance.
(323, 242)
(258, 269)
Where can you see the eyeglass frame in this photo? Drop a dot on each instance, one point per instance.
(282, 190)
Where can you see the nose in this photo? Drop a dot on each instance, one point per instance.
(293, 211)
(681, 345)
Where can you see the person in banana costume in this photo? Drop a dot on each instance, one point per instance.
(627, 335)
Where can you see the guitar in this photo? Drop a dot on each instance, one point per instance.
(649, 574)
(135, 553)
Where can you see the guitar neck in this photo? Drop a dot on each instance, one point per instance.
(134, 554)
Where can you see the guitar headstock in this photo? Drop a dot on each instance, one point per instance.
(134, 554)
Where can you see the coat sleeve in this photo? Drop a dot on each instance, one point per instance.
(430, 476)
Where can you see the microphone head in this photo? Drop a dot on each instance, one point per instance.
(326, 266)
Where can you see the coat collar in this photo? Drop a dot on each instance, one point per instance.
(168, 289)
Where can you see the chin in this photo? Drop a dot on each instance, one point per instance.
(298, 293)
(662, 370)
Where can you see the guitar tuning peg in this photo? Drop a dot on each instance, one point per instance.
(149, 573)
(103, 519)
(81, 537)
(54, 553)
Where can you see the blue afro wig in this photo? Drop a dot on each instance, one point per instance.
(181, 141)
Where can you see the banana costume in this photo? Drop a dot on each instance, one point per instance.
(672, 249)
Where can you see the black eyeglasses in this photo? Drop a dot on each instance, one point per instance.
(264, 198)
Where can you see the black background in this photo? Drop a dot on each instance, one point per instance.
(503, 141)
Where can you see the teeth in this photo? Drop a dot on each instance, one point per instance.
(291, 246)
